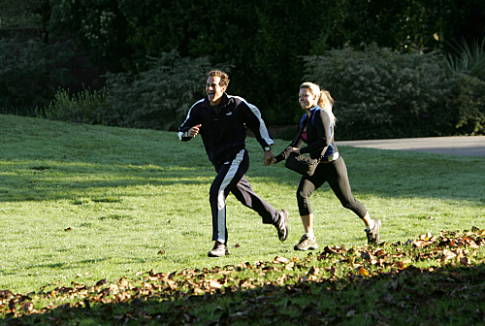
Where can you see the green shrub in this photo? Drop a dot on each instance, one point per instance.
(469, 60)
(82, 107)
(158, 98)
(467, 105)
(263, 39)
(380, 93)
(27, 77)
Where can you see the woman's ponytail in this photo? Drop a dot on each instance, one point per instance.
(326, 102)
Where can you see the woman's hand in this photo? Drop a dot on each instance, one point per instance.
(295, 150)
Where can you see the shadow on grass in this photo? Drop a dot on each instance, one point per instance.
(70, 265)
(408, 296)
(53, 183)
(376, 172)
(398, 174)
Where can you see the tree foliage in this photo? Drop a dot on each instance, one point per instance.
(382, 93)
(28, 74)
(263, 40)
(158, 98)
(467, 105)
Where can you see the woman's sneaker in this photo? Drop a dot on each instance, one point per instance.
(307, 243)
(374, 235)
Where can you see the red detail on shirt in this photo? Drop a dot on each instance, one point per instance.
(304, 136)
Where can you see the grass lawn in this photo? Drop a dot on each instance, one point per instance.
(81, 203)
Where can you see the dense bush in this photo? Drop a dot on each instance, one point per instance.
(158, 98)
(466, 105)
(82, 107)
(262, 39)
(29, 74)
(379, 94)
(383, 94)
(467, 59)
(265, 43)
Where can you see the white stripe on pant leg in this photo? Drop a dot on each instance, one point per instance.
(221, 199)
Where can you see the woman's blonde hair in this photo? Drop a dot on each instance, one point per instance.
(325, 100)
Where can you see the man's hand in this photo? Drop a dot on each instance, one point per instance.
(193, 131)
(268, 158)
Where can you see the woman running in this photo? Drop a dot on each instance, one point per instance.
(317, 131)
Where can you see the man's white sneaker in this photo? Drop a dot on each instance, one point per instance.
(282, 225)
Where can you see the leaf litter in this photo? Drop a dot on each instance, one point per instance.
(372, 285)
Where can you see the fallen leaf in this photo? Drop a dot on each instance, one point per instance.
(247, 283)
(161, 252)
(386, 298)
(113, 288)
(314, 271)
(290, 266)
(380, 252)
(241, 266)
(447, 254)
(400, 265)
(350, 313)
(421, 243)
(281, 280)
(101, 282)
(282, 260)
(458, 276)
(27, 307)
(332, 270)
(470, 242)
(363, 271)
(215, 284)
(381, 323)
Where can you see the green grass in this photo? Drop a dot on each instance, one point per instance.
(127, 194)
(81, 203)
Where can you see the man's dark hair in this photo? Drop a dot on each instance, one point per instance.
(224, 78)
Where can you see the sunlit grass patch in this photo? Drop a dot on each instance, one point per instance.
(83, 203)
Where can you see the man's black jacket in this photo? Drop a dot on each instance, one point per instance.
(224, 133)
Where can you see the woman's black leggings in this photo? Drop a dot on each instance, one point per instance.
(335, 173)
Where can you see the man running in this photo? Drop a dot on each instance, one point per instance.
(221, 120)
